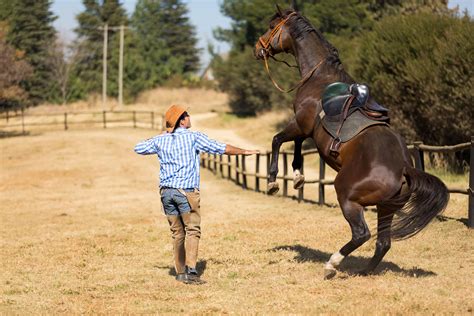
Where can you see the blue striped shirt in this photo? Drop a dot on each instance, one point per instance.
(178, 154)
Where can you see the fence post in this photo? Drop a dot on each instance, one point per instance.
(257, 171)
(221, 168)
(470, 220)
(23, 120)
(65, 121)
(322, 171)
(152, 120)
(419, 157)
(237, 180)
(285, 173)
(215, 163)
(229, 162)
(134, 119)
(244, 176)
(268, 168)
(104, 119)
(300, 191)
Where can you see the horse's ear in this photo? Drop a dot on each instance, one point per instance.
(278, 9)
(294, 5)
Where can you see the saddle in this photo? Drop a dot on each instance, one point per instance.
(347, 111)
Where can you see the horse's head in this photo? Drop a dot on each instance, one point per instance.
(277, 38)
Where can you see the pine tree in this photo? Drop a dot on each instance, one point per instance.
(97, 13)
(31, 31)
(6, 9)
(151, 44)
(167, 40)
(179, 34)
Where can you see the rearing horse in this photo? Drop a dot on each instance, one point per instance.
(374, 167)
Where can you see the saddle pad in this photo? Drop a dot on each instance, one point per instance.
(353, 125)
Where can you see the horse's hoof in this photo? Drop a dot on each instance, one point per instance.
(273, 188)
(363, 273)
(298, 182)
(329, 273)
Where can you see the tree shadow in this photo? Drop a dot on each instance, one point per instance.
(8, 134)
(352, 264)
(444, 218)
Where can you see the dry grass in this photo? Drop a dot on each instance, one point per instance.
(158, 100)
(82, 233)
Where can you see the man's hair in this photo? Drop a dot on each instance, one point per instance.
(182, 117)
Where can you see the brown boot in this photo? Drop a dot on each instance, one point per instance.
(178, 235)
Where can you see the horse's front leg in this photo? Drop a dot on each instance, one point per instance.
(290, 133)
(298, 177)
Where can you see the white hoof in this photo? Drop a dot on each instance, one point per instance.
(273, 188)
(298, 181)
(329, 273)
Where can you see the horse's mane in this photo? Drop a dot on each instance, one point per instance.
(300, 27)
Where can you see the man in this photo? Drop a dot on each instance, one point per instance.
(178, 152)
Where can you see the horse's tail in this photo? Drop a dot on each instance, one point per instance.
(426, 198)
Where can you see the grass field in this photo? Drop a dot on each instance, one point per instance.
(82, 233)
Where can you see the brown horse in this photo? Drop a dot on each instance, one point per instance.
(374, 167)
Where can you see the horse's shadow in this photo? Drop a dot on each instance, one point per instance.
(351, 264)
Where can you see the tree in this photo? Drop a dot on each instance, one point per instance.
(179, 34)
(31, 31)
(88, 71)
(14, 70)
(166, 39)
(62, 60)
(420, 67)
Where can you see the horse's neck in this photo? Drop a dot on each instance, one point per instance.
(309, 52)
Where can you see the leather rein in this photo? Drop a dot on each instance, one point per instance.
(277, 31)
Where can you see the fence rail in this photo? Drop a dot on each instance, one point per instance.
(65, 120)
(238, 171)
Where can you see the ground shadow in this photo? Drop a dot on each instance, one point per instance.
(352, 264)
(200, 267)
(7, 134)
(443, 218)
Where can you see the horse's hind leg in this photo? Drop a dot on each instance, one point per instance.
(298, 177)
(382, 246)
(354, 214)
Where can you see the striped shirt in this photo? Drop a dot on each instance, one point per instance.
(178, 154)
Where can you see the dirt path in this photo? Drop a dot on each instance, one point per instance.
(82, 233)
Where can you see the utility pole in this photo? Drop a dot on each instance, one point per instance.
(120, 78)
(104, 67)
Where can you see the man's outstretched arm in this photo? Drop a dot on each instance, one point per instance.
(231, 150)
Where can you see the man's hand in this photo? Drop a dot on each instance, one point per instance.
(251, 152)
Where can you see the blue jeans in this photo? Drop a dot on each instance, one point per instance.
(174, 202)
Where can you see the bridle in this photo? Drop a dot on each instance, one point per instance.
(266, 45)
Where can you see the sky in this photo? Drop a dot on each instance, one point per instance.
(203, 14)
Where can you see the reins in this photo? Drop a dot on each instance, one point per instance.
(265, 46)
(299, 84)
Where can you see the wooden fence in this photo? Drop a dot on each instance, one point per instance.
(237, 169)
(19, 120)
